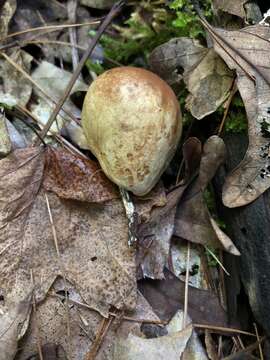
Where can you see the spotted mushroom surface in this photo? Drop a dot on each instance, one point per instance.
(132, 122)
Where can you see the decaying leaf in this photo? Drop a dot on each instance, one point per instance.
(164, 347)
(7, 10)
(247, 51)
(54, 80)
(170, 59)
(72, 177)
(179, 262)
(13, 325)
(5, 142)
(206, 76)
(192, 220)
(14, 89)
(88, 244)
(194, 349)
(209, 83)
(167, 296)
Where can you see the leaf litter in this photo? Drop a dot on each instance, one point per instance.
(81, 241)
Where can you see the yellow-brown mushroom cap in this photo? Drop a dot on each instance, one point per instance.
(132, 122)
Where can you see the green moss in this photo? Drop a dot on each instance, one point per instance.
(151, 24)
(236, 121)
(96, 67)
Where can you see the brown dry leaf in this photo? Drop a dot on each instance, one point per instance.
(164, 347)
(7, 10)
(50, 325)
(20, 179)
(156, 227)
(234, 7)
(167, 296)
(192, 220)
(13, 325)
(170, 59)
(92, 239)
(247, 51)
(72, 177)
(206, 76)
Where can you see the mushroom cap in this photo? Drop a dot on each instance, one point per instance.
(132, 122)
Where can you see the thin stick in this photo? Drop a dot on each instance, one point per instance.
(258, 338)
(223, 329)
(246, 350)
(60, 263)
(228, 103)
(67, 145)
(114, 11)
(217, 260)
(50, 27)
(102, 331)
(184, 322)
(127, 318)
(36, 317)
(28, 77)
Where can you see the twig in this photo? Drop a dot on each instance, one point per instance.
(219, 329)
(127, 318)
(258, 339)
(60, 263)
(114, 11)
(220, 40)
(184, 322)
(57, 137)
(246, 350)
(102, 331)
(217, 260)
(49, 27)
(71, 9)
(228, 103)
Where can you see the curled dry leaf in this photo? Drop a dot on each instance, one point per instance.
(247, 51)
(206, 76)
(72, 177)
(192, 220)
(91, 239)
(13, 325)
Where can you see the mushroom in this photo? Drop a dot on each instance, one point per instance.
(132, 123)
